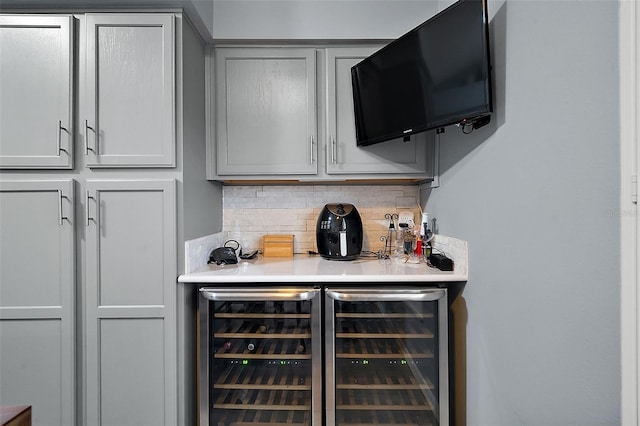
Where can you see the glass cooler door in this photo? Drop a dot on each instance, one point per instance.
(386, 352)
(260, 357)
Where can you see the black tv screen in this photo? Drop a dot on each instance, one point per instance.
(435, 75)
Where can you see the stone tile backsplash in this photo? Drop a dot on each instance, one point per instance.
(197, 251)
(253, 211)
(455, 249)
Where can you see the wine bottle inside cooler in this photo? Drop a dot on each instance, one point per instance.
(301, 347)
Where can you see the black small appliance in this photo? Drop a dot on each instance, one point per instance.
(339, 232)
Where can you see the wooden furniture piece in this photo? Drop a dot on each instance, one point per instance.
(15, 415)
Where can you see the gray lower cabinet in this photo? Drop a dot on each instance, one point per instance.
(36, 77)
(130, 302)
(37, 298)
(128, 297)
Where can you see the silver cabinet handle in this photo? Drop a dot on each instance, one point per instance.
(259, 294)
(88, 218)
(363, 295)
(58, 139)
(311, 151)
(86, 138)
(61, 216)
(334, 150)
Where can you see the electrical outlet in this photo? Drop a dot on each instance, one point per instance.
(406, 217)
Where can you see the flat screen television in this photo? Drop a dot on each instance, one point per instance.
(436, 75)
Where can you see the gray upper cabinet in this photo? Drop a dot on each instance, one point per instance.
(267, 123)
(36, 80)
(129, 117)
(343, 155)
(131, 240)
(266, 111)
(37, 293)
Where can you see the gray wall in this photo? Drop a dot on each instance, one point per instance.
(318, 19)
(203, 215)
(533, 193)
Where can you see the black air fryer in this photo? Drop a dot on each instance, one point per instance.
(339, 232)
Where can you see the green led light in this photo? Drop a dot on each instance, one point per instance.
(365, 361)
(403, 361)
(245, 362)
(282, 362)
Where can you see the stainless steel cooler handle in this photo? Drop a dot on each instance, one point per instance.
(372, 294)
(235, 294)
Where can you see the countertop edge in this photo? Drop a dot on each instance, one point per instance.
(208, 278)
(302, 268)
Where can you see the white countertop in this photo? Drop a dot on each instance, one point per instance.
(313, 268)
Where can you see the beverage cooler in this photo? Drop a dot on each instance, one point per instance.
(323, 356)
(260, 356)
(386, 356)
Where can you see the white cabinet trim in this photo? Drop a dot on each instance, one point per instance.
(629, 20)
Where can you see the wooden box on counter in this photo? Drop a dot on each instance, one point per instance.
(277, 246)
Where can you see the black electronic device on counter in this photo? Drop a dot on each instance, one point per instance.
(339, 232)
(441, 262)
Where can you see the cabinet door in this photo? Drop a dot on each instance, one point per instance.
(37, 282)
(343, 155)
(130, 302)
(266, 111)
(36, 74)
(130, 91)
